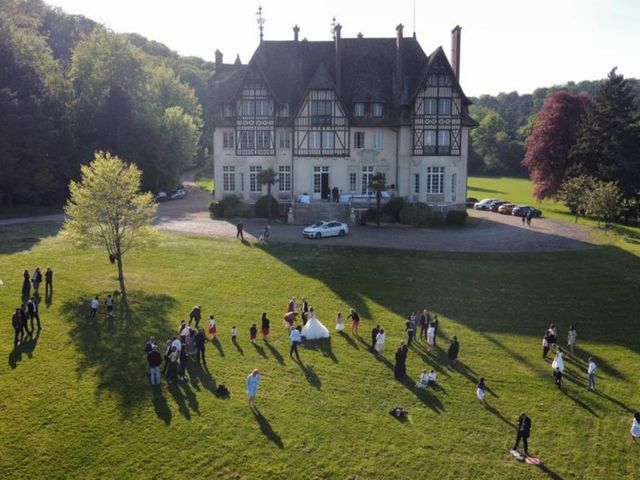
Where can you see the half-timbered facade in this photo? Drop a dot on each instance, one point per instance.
(332, 114)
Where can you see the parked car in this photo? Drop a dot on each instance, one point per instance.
(179, 194)
(505, 208)
(471, 202)
(161, 197)
(326, 229)
(496, 205)
(485, 204)
(521, 211)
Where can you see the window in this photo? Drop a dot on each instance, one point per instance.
(377, 140)
(431, 106)
(262, 108)
(367, 173)
(284, 110)
(227, 111)
(445, 106)
(285, 141)
(247, 140)
(429, 141)
(378, 110)
(227, 139)
(247, 108)
(358, 110)
(229, 179)
(314, 139)
(435, 180)
(353, 178)
(254, 185)
(327, 139)
(263, 139)
(444, 141)
(454, 178)
(321, 112)
(284, 178)
(358, 140)
(416, 183)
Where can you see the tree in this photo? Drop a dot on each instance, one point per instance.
(378, 184)
(574, 192)
(106, 209)
(604, 202)
(608, 143)
(269, 178)
(551, 140)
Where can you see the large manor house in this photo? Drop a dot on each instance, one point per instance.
(325, 114)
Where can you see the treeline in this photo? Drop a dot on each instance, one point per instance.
(70, 87)
(506, 120)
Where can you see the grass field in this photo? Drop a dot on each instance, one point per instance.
(519, 191)
(76, 402)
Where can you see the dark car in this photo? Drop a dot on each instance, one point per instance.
(471, 202)
(522, 210)
(497, 204)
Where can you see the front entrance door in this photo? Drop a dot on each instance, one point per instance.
(325, 186)
(321, 182)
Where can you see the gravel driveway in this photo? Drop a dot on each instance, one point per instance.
(484, 232)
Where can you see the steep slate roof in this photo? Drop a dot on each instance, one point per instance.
(291, 68)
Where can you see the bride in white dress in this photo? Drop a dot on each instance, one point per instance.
(558, 361)
(314, 329)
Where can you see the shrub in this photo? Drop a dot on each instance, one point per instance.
(261, 207)
(416, 214)
(456, 218)
(393, 208)
(229, 207)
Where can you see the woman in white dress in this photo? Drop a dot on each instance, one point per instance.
(571, 338)
(635, 426)
(339, 322)
(558, 362)
(431, 334)
(314, 329)
(380, 338)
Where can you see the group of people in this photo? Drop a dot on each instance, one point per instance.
(27, 315)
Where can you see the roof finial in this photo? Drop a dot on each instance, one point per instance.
(260, 20)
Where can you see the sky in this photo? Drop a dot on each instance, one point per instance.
(507, 45)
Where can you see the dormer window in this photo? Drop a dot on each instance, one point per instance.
(358, 109)
(227, 111)
(378, 110)
(283, 111)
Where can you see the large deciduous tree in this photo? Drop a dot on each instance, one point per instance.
(551, 139)
(574, 192)
(107, 209)
(608, 143)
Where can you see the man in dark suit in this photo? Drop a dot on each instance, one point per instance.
(196, 314)
(201, 341)
(32, 309)
(523, 430)
(454, 349)
(16, 321)
(374, 334)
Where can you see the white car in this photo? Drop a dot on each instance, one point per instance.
(326, 229)
(485, 204)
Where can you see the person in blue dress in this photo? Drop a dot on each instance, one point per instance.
(253, 382)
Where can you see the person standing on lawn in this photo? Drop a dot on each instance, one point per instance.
(239, 229)
(109, 304)
(410, 329)
(374, 334)
(454, 350)
(523, 430)
(154, 359)
(557, 378)
(635, 426)
(380, 339)
(571, 338)
(436, 324)
(401, 361)
(32, 309)
(294, 337)
(253, 333)
(24, 316)
(37, 280)
(545, 346)
(422, 321)
(265, 327)
(26, 286)
(16, 322)
(591, 374)
(355, 320)
(200, 340)
(195, 315)
(253, 382)
(48, 281)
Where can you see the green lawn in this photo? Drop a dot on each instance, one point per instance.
(519, 191)
(76, 403)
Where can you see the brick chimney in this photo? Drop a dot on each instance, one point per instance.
(218, 59)
(455, 51)
(296, 31)
(398, 80)
(338, 42)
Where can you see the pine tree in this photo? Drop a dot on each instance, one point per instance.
(608, 145)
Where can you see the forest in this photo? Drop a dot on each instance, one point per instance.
(70, 87)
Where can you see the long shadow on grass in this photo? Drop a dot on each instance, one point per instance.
(27, 347)
(266, 428)
(276, 354)
(113, 350)
(22, 237)
(310, 374)
(323, 346)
